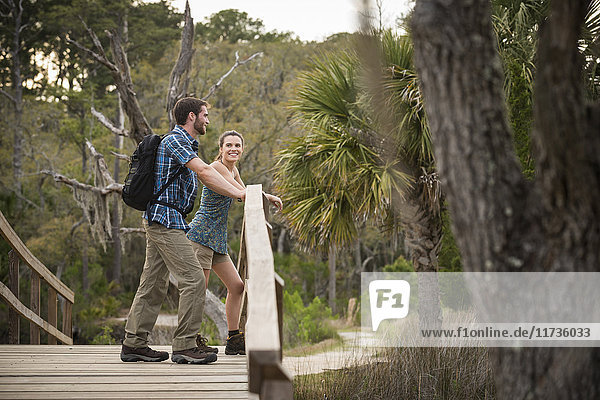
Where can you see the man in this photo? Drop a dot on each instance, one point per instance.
(167, 247)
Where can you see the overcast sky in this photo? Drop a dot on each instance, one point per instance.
(309, 19)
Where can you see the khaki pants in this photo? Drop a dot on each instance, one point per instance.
(167, 250)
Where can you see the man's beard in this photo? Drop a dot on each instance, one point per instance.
(200, 128)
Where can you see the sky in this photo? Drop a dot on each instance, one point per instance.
(309, 19)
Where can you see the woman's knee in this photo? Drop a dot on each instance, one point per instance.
(236, 288)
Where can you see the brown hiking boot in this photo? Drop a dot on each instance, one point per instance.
(236, 344)
(193, 356)
(132, 354)
(201, 342)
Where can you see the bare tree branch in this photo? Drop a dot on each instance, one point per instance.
(114, 187)
(107, 123)
(76, 225)
(101, 55)
(179, 79)
(10, 97)
(237, 64)
(20, 196)
(101, 164)
(125, 231)
(122, 78)
(120, 156)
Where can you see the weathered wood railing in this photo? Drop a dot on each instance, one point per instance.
(263, 300)
(39, 272)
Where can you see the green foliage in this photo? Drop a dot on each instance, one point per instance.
(301, 273)
(153, 27)
(233, 26)
(104, 337)
(305, 324)
(401, 264)
(449, 259)
(329, 178)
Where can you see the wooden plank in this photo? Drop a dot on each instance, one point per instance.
(121, 387)
(14, 322)
(243, 317)
(52, 311)
(263, 338)
(67, 320)
(242, 268)
(15, 242)
(128, 395)
(276, 390)
(139, 379)
(279, 285)
(157, 375)
(262, 332)
(34, 306)
(7, 295)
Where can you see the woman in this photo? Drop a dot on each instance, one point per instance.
(208, 233)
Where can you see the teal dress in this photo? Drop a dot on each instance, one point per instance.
(209, 226)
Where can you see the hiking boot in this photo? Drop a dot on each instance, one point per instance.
(132, 354)
(193, 356)
(201, 342)
(236, 344)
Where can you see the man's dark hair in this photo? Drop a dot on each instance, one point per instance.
(186, 105)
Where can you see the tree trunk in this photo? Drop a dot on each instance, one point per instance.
(116, 217)
(85, 283)
(17, 101)
(423, 237)
(331, 287)
(281, 241)
(501, 221)
(357, 256)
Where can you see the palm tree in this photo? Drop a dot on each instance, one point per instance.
(517, 24)
(345, 169)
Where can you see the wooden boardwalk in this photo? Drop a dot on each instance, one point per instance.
(96, 372)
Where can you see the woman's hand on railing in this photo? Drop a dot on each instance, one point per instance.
(276, 201)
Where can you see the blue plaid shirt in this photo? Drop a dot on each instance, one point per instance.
(174, 151)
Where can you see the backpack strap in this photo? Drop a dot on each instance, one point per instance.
(155, 200)
(162, 190)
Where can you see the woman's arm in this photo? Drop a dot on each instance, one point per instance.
(215, 180)
(221, 169)
(237, 177)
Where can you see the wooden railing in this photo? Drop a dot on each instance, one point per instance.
(56, 288)
(263, 302)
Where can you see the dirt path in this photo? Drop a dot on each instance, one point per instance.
(351, 353)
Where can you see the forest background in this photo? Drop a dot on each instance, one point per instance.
(297, 103)
(45, 128)
(338, 129)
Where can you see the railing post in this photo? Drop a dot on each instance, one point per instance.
(279, 284)
(67, 325)
(52, 311)
(34, 305)
(14, 321)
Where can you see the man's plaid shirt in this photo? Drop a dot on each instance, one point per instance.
(174, 151)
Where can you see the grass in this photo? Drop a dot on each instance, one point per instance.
(405, 373)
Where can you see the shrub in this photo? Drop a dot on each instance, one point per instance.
(305, 324)
(401, 264)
